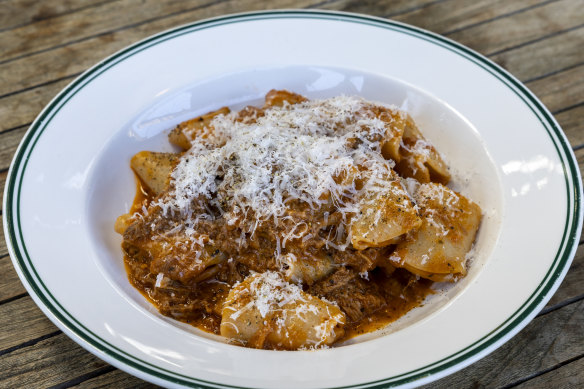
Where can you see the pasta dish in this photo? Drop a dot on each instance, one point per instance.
(297, 224)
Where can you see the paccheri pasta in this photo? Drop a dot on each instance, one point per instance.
(295, 225)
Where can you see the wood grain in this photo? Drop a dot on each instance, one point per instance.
(15, 13)
(49, 362)
(561, 90)
(542, 57)
(519, 28)
(106, 18)
(573, 284)
(546, 342)
(20, 109)
(87, 22)
(386, 9)
(10, 285)
(448, 17)
(115, 379)
(570, 376)
(22, 321)
(3, 175)
(572, 123)
(580, 158)
(10, 141)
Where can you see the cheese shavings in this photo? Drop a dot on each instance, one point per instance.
(315, 152)
(265, 309)
(270, 293)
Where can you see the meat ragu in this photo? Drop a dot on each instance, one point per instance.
(295, 225)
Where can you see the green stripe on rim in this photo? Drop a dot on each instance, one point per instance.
(102, 348)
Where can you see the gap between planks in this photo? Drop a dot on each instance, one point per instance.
(570, 376)
(558, 111)
(113, 30)
(13, 298)
(35, 19)
(502, 16)
(406, 11)
(560, 305)
(29, 343)
(545, 371)
(532, 41)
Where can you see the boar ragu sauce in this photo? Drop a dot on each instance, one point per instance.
(200, 304)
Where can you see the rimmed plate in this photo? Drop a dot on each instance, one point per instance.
(70, 179)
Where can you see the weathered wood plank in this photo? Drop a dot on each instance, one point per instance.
(49, 362)
(85, 23)
(3, 248)
(545, 342)
(522, 27)
(8, 145)
(115, 379)
(560, 90)
(22, 321)
(19, 12)
(10, 284)
(543, 57)
(378, 8)
(3, 176)
(565, 377)
(572, 122)
(55, 64)
(21, 108)
(449, 16)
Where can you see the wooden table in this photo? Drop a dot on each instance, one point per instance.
(44, 45)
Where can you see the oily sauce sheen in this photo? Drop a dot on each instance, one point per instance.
(200, 304)
(297, 224)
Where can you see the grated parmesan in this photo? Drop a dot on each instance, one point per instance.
(248, 173)
(270, 293)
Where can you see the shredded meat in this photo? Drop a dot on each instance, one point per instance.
(356, 297)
